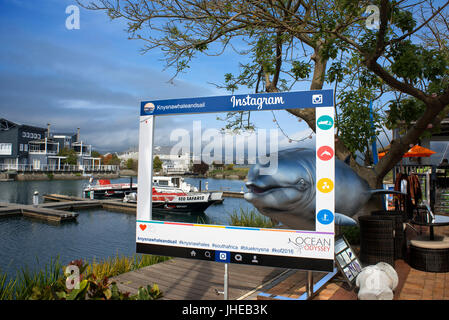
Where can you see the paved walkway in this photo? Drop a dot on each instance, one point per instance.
(413, 284)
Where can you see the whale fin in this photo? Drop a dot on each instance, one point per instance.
(385, 191)
(343, 220)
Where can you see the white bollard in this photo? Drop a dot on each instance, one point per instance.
(35, 198)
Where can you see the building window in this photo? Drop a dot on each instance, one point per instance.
(21, 147)
(5, 149)
(26, 148)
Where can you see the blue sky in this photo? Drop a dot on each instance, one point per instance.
(94, 78)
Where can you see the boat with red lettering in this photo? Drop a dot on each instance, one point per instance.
(170, 194)
(178, 201)
(104, 189)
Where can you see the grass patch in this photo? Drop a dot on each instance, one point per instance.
(240, 172)
(114, 266)
(250, 218)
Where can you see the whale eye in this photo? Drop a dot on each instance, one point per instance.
(302, 184)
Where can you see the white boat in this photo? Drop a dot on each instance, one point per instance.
(177, 201)
(169, 194)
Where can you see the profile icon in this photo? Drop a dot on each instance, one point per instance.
(148, 107)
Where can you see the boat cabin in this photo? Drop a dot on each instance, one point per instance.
(173, 182)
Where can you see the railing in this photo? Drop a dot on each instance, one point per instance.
(42, 152)
(56, 168)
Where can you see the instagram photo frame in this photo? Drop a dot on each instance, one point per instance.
(297, 249)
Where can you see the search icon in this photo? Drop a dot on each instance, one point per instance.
(207, 254)
(238, 257)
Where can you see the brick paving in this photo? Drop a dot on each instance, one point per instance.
(413, 284)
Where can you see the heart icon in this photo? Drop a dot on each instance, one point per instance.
(143, 226)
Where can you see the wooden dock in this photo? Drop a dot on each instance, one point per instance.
(77, 203)
(188, 279)
(37, 212)
(233, 194)
(59, 207)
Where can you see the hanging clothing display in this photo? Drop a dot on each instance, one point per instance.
(410, 185)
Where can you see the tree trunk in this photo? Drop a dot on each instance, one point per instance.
(308, 115)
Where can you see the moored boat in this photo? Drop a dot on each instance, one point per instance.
(103, 188)
(170, 194)
(179, 201)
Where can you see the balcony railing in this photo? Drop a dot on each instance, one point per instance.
(56, 168)
(52, 152)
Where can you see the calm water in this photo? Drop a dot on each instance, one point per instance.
(96, 233)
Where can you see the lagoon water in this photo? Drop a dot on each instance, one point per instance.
(96, 234)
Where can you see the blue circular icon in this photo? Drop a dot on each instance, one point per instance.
(325, 216)
(325, 122)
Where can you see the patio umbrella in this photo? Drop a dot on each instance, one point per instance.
(415, 151)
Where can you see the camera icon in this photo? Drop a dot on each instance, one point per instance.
(317, 99)
(222, 256)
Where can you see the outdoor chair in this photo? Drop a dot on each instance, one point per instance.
(430, 255)
(377, 239)
(400, 243)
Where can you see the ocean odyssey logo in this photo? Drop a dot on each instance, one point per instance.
(259, 101)
(311, 244)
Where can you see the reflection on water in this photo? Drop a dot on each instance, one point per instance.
(96, 233)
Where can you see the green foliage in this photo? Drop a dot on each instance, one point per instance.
(403, 112)
(403, 19)
(110, 159)
(301, 70)
(70, 154)
(27, 280)
(354, 124)
(95, 154)
(116, 265)
(416, 63)
(351, 233)
(149, 293)
(250, 218)
(51, 282)
(6, 287)
(131, 164)
(157, 163)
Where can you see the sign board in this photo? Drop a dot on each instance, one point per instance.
(308, 250)
(347, 261)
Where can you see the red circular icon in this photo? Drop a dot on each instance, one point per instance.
(325, 153)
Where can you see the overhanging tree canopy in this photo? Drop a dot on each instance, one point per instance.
(406, 59)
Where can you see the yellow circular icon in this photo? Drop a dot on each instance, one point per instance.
(325, 185)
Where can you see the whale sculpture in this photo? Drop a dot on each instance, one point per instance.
(288, 195)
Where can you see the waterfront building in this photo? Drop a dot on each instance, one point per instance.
(173, 163)
(25, 147)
